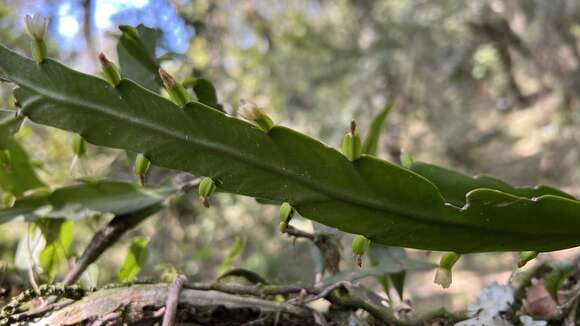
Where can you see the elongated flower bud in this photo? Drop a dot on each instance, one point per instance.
(351, 143)
(5, 159)
(142, 165)
(176, 91)
(109, 70)
(36, 27)
(283, 226)
(443, 276)
(526, 256)
(407, 160)
(286, 212)
(206, 188)
(79, 145)
(360, 244)
(251, 112)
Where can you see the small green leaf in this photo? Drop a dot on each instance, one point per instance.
(235, 250)
(371, 143)
(136, 258)
(137, 56)
(204, 91)
(58, 234)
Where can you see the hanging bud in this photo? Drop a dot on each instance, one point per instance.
(206, 188)
(109, 70)
(443, 276)
(351, 144)
(286, 213)
(5, 159)
(141, 167)
(407, 160)
(176, 91)
(283, 226)
(360, 244)
(251, 112)
(79, 145)
(36, 27)
(526, 256)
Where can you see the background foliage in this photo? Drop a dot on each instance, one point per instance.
(481, 86)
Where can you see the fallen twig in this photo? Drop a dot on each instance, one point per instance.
(172, 300)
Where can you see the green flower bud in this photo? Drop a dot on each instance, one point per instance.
(351, 144)
(526, 256)
(286, 213)
(109, 70)
(251, 112)
(7, 199)
(206, 188)
(176, 91)
(407, 160)
(283, 226)
(38, 49)
(79, 145)
(142, 165)
(360, 244)
(36, 27)
(443, 276)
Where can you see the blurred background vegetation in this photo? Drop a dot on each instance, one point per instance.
(485, 87)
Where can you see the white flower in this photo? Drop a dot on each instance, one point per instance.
(36, 26)
(443, 277)
(492, 300)
(249, 111)
(529, 321)
(485, 321)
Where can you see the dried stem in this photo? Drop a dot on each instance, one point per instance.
(105, 238)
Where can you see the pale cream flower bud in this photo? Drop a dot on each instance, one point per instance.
(36, 26)
(249, 110)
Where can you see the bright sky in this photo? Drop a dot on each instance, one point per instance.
(69, 24)
(67, 18)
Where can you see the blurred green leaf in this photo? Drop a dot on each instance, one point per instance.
(90, 278)
(561, 270)
(135, 259)
(371, 143)
(10, 122)
(137, 56)
(235, 251)
(377, 271)
(85, 200)
(18, 176)
(58, 234)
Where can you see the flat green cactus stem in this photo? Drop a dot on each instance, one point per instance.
(386, 203)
